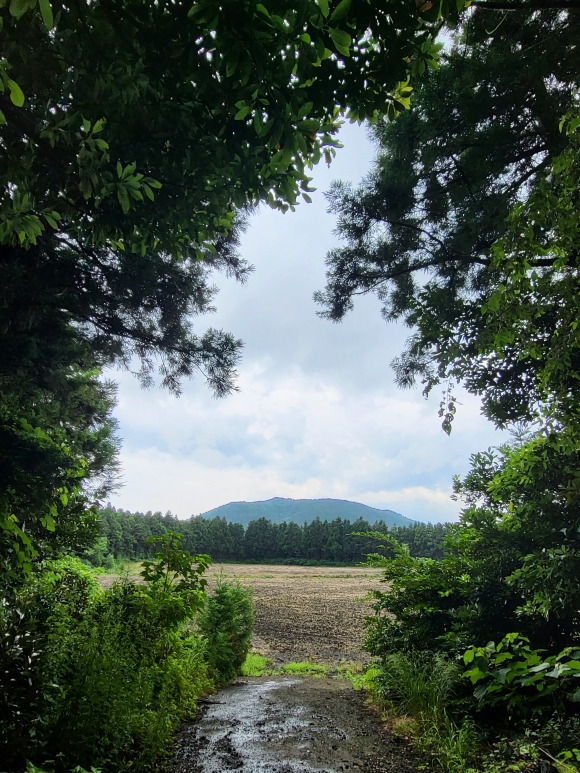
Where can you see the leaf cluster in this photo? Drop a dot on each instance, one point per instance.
(522, 678)
(423, 230)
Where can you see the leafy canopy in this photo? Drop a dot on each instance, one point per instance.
(134, 139)
(478, 155)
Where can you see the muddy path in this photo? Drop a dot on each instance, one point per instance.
(289, 725)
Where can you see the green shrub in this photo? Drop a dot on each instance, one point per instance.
(523, 679)
(37, 626)
(101, 678)
(227, 623)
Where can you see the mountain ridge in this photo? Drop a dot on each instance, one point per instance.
(300, 511)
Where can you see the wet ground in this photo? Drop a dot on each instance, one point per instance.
(289, 725)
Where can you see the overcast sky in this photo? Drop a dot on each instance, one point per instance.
(318, 414)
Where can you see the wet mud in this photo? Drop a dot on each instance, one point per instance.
(289, 725)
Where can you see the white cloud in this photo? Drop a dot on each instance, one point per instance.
(318, 414)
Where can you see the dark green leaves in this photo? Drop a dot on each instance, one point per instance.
(340, 11)
(323, 5)
(342, 40)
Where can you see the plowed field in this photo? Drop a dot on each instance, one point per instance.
(303, 613)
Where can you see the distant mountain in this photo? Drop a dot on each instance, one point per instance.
(302, 511)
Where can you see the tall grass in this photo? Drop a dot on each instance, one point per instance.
(419, 685)
(423, 688)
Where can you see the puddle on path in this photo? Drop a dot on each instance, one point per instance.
(289, 725)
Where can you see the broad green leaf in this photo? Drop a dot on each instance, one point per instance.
(341, 40)
(341, 10)
(404, 101)
(262, 9)
(242, 113)
(18, 8)
(129, 169)
(16, 94)
(46, 13)
(323, 5)
(123, 199)
(309, 125)
(305, 109)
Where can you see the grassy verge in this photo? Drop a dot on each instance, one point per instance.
(422, 702)
(258, 665)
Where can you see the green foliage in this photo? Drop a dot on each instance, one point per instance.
(138, 218)
(175, 585)
(132, 677)
(254, 665)
(419, 685)
(523, 508)
(525, 679)
(226, 623)
(510, 564)
(305, 668)
(451, 745)
(470, 205)
(34, 623)
(57, 452)
(103, 678)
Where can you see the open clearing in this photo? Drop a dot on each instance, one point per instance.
(284, 724)
(302, 612)
(307, 612)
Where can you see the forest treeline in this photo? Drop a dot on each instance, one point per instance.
(125, 535)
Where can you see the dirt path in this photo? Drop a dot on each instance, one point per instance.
(280, 724)
(289, 725)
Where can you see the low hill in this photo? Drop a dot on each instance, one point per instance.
(302, 511)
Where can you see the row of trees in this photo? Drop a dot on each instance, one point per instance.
(124, 535)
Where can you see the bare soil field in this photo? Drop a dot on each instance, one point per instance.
(302, 612)
(307, 612)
